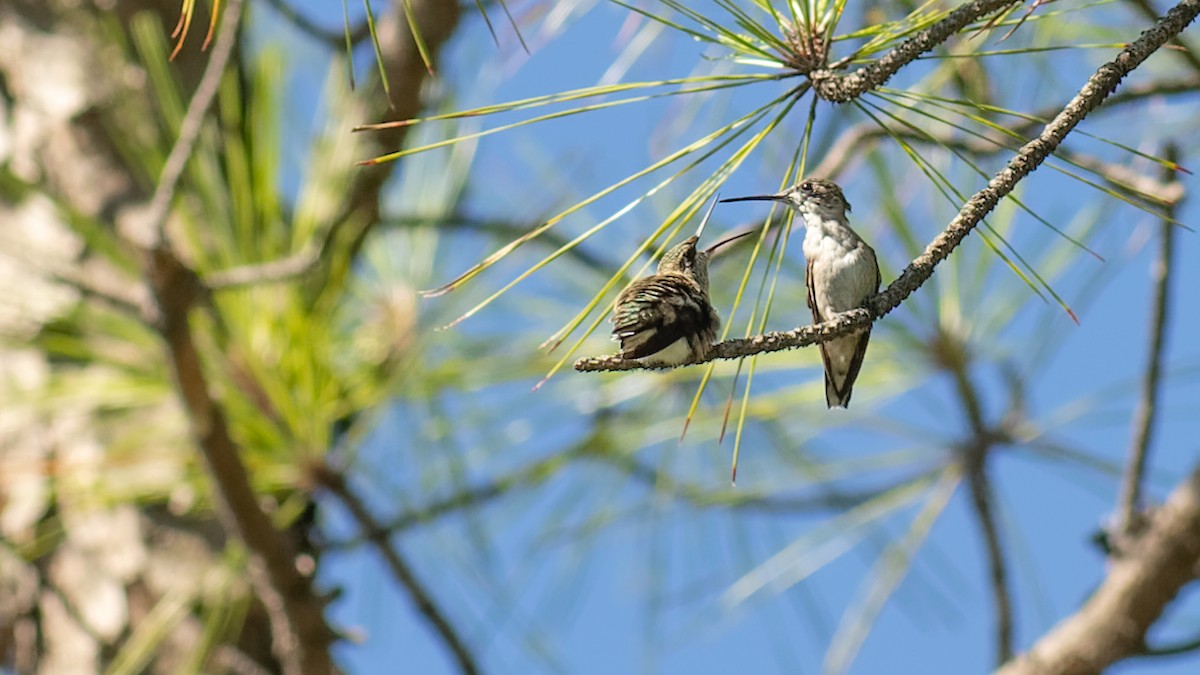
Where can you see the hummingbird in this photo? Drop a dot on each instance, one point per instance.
(842, 273)
(666, 319)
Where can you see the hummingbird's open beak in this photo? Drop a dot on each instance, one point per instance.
(726, 240)
(758, 198)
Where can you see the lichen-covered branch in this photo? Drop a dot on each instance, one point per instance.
(1186, 54)
(975, 453)
(773, 341)
(831, 86)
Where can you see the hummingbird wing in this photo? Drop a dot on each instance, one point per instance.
(655, 312)
(812, 292)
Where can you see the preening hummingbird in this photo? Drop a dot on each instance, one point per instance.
(666, 319)
(842, 272)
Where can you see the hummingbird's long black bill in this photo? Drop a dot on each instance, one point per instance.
(703, 223)
(757, 198)
(728, 239)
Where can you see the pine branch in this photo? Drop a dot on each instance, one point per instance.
(1112, 625)
(300, 637)
(842, 88)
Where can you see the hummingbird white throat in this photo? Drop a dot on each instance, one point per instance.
(666, 319)
(842, 273)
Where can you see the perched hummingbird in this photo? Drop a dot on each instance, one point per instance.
(666, 319)
(842, 273)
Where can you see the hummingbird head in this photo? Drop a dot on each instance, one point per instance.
(684, 259)
(815, 196)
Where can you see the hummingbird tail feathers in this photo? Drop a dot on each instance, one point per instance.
(840, 371)
(835, 398)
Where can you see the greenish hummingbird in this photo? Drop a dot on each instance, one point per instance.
(667, 319)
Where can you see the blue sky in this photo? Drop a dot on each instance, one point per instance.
(589, 572)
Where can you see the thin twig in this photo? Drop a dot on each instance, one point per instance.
(1163, 87)
(829, 499)
(126, 303)
(303, 262)
(468, 498)
(275, 271)
(1032, 154)
(508, 229)
(335, 483)
(696, 496)
(1138, 186)
(193, 121)
(982, 499)
(831, 86)
(1157, 191)
(975, 457)
(335, 39)
(1143, 417)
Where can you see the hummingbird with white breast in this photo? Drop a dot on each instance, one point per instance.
(667, 319)
(842, 273)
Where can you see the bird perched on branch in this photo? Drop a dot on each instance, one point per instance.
(842, 274)
(666, 319)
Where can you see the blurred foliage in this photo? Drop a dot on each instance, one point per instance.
(502, 490)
